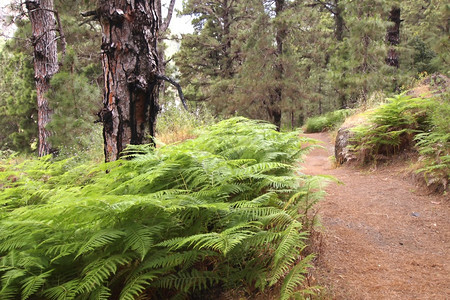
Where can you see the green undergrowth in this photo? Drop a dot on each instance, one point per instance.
(327, 121)
(434, 146)
(406, 123)
(225, 211)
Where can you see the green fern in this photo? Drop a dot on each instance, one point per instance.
(136, 285)
(100, 239)
(295, 279)
(392, 127)
(223, 210)
(33, 283)
(64, 291)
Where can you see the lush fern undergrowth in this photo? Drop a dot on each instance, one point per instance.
(405, 123)
(224, 211)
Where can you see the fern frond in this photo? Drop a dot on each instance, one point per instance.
(138, 238)
(10, 276)
(100, 239)
(101, 293)
(63, 291)
(188, 281)
(165, 260)
(295, 278)
(222, 242)
(32, 284)
(136, 285)
(95, 274)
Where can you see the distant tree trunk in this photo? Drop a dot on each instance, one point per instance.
(130, 66)
(274, 109)
(44, 40)
(393, 37)
(226, 39)
(338, 21)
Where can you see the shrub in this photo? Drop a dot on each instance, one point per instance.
(328, 121)
(218, 212)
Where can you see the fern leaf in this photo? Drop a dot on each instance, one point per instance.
(138, 238)
(295, 278)
(101, 293)
(65, 291)
(10, 276)
(186, 281)
(98, 271)
(32, 284)
(100, 239)
(136, 285)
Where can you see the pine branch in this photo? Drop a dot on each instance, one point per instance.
(177, 85)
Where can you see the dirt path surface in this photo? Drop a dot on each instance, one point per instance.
(383, 237)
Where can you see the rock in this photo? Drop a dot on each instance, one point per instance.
(341, 152)
(344, 136)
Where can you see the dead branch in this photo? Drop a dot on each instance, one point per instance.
(177, 85)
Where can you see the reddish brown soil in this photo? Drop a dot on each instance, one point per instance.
(382, 236)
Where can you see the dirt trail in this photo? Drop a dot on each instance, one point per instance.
(383, 237)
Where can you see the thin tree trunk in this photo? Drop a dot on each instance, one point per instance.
(226, 42)
(163, 25)
(393, 37)
(277, 95)
(130, 65)
(44, 40)
(338, 21)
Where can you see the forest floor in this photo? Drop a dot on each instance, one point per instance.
(383, 237)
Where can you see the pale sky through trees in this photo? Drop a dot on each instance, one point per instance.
(178, 24)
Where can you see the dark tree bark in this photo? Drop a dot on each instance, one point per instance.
(336, 10)
(393, 37)
(44, 40)
(226, 42)
(338, 21)
(130, 65)
(274, 108)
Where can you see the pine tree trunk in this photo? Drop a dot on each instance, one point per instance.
(276, 97)
(226, 40)
(393, 37)
(339, 22)
(130, 66)
(43, 24)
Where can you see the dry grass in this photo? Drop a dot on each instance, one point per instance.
(176, 135)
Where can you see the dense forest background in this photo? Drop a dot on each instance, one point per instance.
(281, 61)
(222, 211)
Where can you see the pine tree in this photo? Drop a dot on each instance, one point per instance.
(361, 56)
(130, 67)
(44, 25)
(19, 103)
(208, 58)
(18, 110)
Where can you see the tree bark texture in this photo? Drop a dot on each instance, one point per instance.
(393, 37)
(44, 40)
(130, 65)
